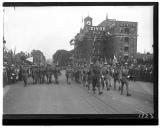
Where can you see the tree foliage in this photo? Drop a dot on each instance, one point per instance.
(38, 57)
(62, 57)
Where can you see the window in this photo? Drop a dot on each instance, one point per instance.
(126, 39)
(125, 57)
(126, 30)
(122, 30)
(126, 49)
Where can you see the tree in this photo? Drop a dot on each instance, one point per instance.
(38, 57)
(62, 57)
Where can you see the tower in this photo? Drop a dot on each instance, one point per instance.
(106, 16)
(87, 21)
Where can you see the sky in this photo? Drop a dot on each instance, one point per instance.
(51, 28)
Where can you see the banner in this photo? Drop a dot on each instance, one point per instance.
(30, 59)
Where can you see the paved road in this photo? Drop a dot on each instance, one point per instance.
(75, 99)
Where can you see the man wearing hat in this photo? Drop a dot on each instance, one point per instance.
(24, 75)
(116, 76)
(124, 79)
(96, 79)
(56, 73)
(68, 74)
(103, 73)
(89, 75)
(48, 73)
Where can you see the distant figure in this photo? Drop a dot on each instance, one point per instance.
(56, 72)
(48, 73)
(24, 75)
(68, 74)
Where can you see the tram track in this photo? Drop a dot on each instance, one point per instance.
(106, 105)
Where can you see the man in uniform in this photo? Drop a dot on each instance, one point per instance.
(48, 74)
(90, 75)
(106, 77)
(85, 76)
(124, 79)
(41, 74)
(56, 73)
(68, 74)
(103, 73)
(96, 78)
(116, 76)
(33, 73)
(24, 75)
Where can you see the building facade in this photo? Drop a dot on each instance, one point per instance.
(108, 39)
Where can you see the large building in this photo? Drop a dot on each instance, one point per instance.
(108, 39)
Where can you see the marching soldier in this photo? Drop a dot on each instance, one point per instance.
(103, 72)
(124, 79)
(36, 75)
(90, 75)
(42, 74)
(24, 75)
(85, 76)
(48, 74)
(32, 74)
(96, 79)
(116, 76)
(68, 74)
(106, 77)
(56, 73)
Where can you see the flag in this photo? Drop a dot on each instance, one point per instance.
(30, 59)
(105, 61)
(72, 40)
(114, 59)
(108, 34)
(94, 40)
(91, 61)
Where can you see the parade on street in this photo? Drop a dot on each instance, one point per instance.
(75, 98)
(62, 60)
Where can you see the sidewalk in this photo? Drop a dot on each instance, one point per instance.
(5, 89)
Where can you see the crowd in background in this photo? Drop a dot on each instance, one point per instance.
(142, 70)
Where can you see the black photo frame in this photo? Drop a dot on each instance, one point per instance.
(79, 119)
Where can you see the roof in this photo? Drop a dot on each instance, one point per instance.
(107, 22)
(87, 18)
(111, 21)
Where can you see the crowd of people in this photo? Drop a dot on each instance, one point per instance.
(98, 76)
(12, 73)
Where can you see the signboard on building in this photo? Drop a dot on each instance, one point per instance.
(97, 28)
